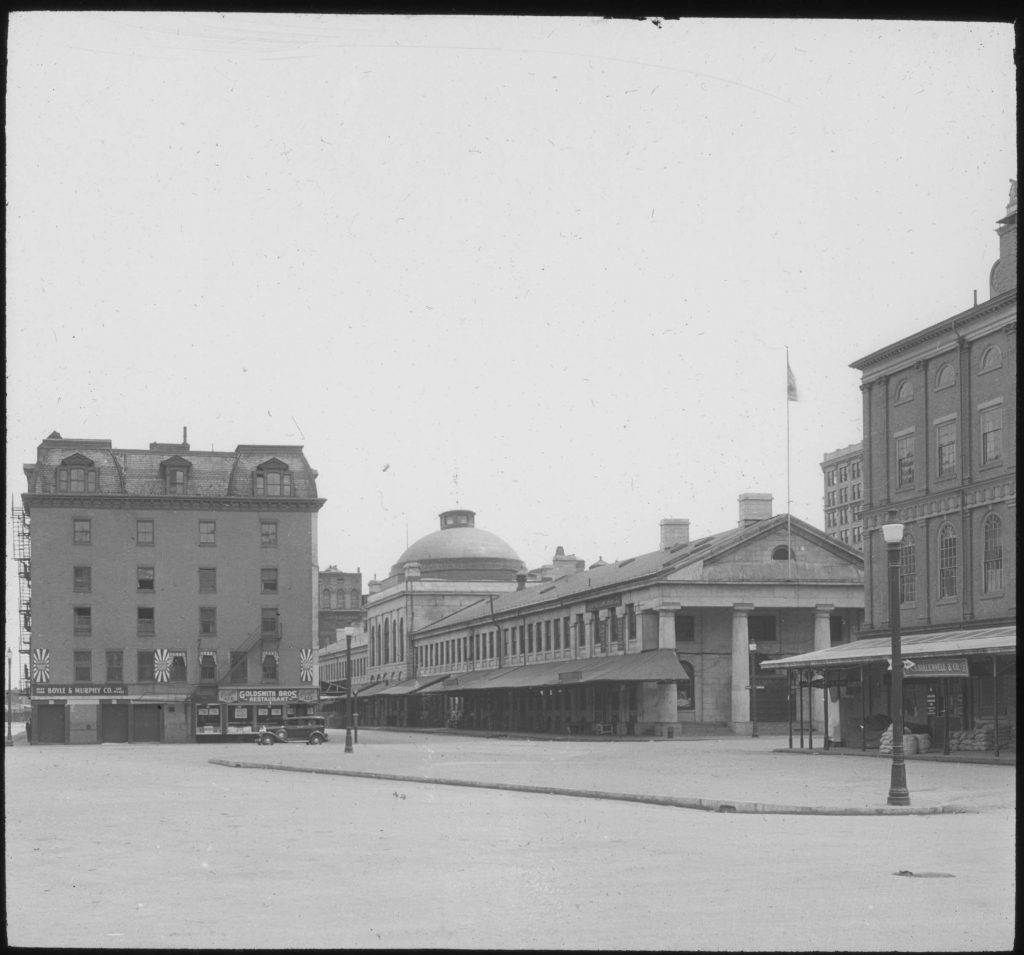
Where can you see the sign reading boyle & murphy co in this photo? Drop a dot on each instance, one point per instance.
(78, 689)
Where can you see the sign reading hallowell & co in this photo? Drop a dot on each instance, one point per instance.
(78, 689)
(931, 669)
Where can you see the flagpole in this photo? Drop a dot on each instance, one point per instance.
(789, 526)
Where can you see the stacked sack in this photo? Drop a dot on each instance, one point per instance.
(982, 737)
(910, 743)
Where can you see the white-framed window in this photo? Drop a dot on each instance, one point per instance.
(991, 359)
(993, 554)
(904, 391)
(76, 480)
(905, 459)
(991, 421)
(908, 570)
(207, 533)
(945, 377)
(268, 533)
(272, 482)
(145, 579)
(81, 530)
(145, 533)
(947, 562)
(945, 447)
(268, 580)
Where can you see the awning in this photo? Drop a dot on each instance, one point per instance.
(646, 667)
(467, 679)
(410, 686)
(372, 690)
(991, 641)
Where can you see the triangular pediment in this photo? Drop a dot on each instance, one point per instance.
(272, 464)
(77, 460)
(176, 462)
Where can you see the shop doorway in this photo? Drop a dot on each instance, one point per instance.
(113, 723)
(146, 717)
(50, 724)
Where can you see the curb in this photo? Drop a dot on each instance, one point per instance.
(679, 802)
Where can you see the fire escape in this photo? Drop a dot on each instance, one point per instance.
(23, 558)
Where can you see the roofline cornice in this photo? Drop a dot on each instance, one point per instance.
(175, 503)
(935, 331)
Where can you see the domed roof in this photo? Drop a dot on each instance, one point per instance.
(461, 542)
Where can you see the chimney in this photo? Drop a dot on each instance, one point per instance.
(521, 580)
(674, 530)
(754, 508)
(373, 586)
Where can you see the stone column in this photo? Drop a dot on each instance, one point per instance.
(739, 720)
(822, 641)
(666, 628)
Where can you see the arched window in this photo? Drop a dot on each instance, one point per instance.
(991, 358)
(325, 600)
(945, 376)
(684, 689)
(947, 561)
(780, 553)
(908, 570)
(904, 390)
(401, 639)
(993, 554)
(387, 642)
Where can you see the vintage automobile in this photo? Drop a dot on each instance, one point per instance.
(295, 729)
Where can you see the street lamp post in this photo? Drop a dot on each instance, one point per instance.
(10, 701)
(899, 795)
(753, 689)
(348, 689)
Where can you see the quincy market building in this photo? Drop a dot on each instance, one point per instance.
(644, 646)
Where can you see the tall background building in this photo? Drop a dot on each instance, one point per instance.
(844, 494)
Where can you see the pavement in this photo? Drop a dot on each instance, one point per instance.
(718, 774)
(170, 846)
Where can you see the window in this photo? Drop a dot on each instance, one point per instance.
(908, 570)
(179, 667)
(991, 434)
(83, 666)
(83, 620)
(176, 480)
(207, 580)
(268, 580)
(82, 533)
(239, 669)
(146, 621)
(547, 634)
(208, 621)
(830, 476)
(945, 377)
(685, 628)
(269, 667)
(856, 491)
(991, 359)
(855, 469)
(82, 580)
(858, 534)
(115, 666)
(325, 600)
(581, 630)
(684, 688)
(77, 479)
(144, 534)
(269, 622)
(993, 554)
(207, 533)
(904, 391)
(945, 448)
(844, 495)
(843, 473)
(905, 460)
(761, 629)
(145, 668)
(830, 498)
(844, 536)
(558, 634)
(207, 665)
(273, 484)
(145, 577)
(529, 638)
(780, 553)
(947, 562)
(268, 533)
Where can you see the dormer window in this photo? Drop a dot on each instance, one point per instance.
(76, 475)
(176, 474)
(272, 479)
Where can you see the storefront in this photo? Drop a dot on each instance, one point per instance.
(959, 692)
(237, 712)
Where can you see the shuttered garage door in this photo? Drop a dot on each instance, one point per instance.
(51, 721)
(113, 723)
(146, 718)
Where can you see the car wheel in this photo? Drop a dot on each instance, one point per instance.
(316, 739)
(269, 740)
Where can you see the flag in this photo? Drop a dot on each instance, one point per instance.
(791, 392)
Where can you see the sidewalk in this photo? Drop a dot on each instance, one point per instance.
(728, 774)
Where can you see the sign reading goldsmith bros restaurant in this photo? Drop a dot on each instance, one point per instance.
(77, 689)
(276, 695)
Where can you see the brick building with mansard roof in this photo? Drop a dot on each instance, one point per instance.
(173, 591)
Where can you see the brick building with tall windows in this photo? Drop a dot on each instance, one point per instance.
(173, 592)
(940, 458)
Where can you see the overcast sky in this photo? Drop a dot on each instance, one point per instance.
(543, 268)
